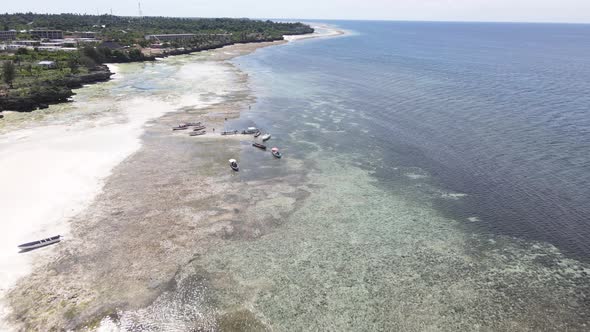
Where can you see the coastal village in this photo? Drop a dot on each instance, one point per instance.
(53, 54)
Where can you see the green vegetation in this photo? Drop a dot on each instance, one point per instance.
(132, 30)
(29, 85)
(8, 72)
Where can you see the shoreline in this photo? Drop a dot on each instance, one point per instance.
(100, 75)
(250, 47)
(95, 176)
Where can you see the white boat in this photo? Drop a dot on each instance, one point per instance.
(250, 130)
(265, 137)
(40, 243)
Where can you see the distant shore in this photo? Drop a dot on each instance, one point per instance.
(50, 95)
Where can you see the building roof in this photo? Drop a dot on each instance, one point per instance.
(110, 44)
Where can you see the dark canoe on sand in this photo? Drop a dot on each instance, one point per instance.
(199, 128)
(260, 146)
(180, 128)
(40, 243)
(197, 133)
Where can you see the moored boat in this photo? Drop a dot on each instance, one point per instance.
(260, 146)
(235, 132)
(250, 130)
(197, 133)
(275, 152)
(40, 243)
(234, 165)
(257, 134)
(265, 137)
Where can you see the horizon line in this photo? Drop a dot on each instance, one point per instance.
(323, 19)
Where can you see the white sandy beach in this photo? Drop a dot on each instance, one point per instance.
(50, 174)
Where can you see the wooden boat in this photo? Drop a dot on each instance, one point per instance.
(234, 165)
(197, 133)
(180, 128)
(265, 137)
(40, 243)
(260, 146)
(257, 134)
(250, 130)
(199, 128)
(190, 124)
(235, 132)
(275, 152)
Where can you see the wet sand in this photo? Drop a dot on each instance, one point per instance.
(167, 202)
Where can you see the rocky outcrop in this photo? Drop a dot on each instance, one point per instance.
(44, 93)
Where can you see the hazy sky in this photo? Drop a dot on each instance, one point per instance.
(447, 10)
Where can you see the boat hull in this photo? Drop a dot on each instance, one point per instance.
(260, 146)
(40, 243)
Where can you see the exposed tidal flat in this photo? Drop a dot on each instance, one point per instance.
(320, 240)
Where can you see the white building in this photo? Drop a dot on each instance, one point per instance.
(47, 64)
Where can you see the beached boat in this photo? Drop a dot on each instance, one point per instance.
(234, 165)
(190, 124)
(260, 146)
(197, 133)
(250, 130)
(199, 128)
(257, 134)
(235, 132)
(180, 128)
(275, 152)
(40, 243)
(265, 137)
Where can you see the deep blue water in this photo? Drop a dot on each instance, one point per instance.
(499, 112)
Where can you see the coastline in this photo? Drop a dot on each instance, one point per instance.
(42, 99)
(92, 167)
(27, 104)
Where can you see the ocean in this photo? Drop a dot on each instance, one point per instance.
(451, 172)
(498, 112)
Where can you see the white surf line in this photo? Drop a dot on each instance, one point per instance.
(327, 31)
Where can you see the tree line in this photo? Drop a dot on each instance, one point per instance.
(129, 30)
